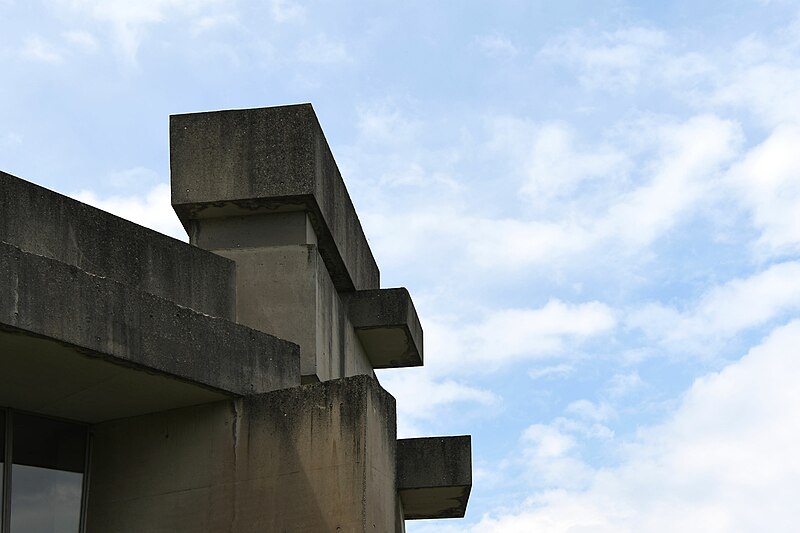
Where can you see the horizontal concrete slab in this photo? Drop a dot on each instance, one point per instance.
(101, 317)
(387, 325)
(51, 378)
(273, 159)
(42, 222)
(434, 476)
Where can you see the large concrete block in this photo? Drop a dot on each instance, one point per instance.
(315, 458)
(275, 159)
(387, 325)
(42, 222)
(434, 476)
(101, 317)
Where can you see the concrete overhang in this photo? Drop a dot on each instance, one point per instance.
(387, 325)
(269, 160)
(434, 476)
(45, 223)
(85, 343)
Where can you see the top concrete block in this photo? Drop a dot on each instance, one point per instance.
(43, 222)
(251, 161)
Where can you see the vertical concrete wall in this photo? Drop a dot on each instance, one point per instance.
(314, 458)
(287, 291)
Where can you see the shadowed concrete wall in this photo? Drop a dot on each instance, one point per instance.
(315, 458)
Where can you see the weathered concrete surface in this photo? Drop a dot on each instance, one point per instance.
(287, 291)
(315, 458)
(434, 476)
(45, 223)
(43, 297)
(51, 378)
(248, 161)
(386, 322)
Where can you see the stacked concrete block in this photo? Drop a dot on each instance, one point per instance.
(228, 385)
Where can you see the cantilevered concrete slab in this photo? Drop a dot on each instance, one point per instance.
(434, 476)
(386, 322)
(258, 161)
(42, 297)
(45, 223)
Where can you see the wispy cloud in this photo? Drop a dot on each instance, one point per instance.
(37, 48)
(496, 45)
(152, 209)
(724, 311)
(724, 460)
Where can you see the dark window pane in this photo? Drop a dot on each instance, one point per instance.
(2, 460)
(2, 435)
(48, 443)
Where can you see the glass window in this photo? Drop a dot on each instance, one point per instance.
(48, 463)
(2, 461)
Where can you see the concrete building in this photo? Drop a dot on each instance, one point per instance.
(226, 385)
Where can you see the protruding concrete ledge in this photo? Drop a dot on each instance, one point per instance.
(42, 222)
(46, 298)
(273, 159)
(434, 476)
(387, 326)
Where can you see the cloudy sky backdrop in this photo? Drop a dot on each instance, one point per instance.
(595, 205)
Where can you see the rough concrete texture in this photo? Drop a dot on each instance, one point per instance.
(286, 290)
(105, 318)
(434, 476)
(45, 223)
(255, 231)
(387, 324)
(316, 458)
(239, 162)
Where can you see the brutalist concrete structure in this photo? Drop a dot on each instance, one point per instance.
(226, 385)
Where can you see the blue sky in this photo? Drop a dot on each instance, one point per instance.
(595, 205)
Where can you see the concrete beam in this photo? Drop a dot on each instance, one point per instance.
(45, 223)
(101, 317)
(267, 160)
(387, 325)
(434, 476)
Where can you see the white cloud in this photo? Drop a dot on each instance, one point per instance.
(496, 45)
(213, 22)
(612, 59)
(81, 39)
(321, 50)
(724, 311)
(618, 214)
(128, 21)
(152, 209)
(10, 140)
(556, 168)
(767, 181)
(286, 10)
(725, 461)
(421, 398)
(551, 371)
(509, 335)
(38, 49)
